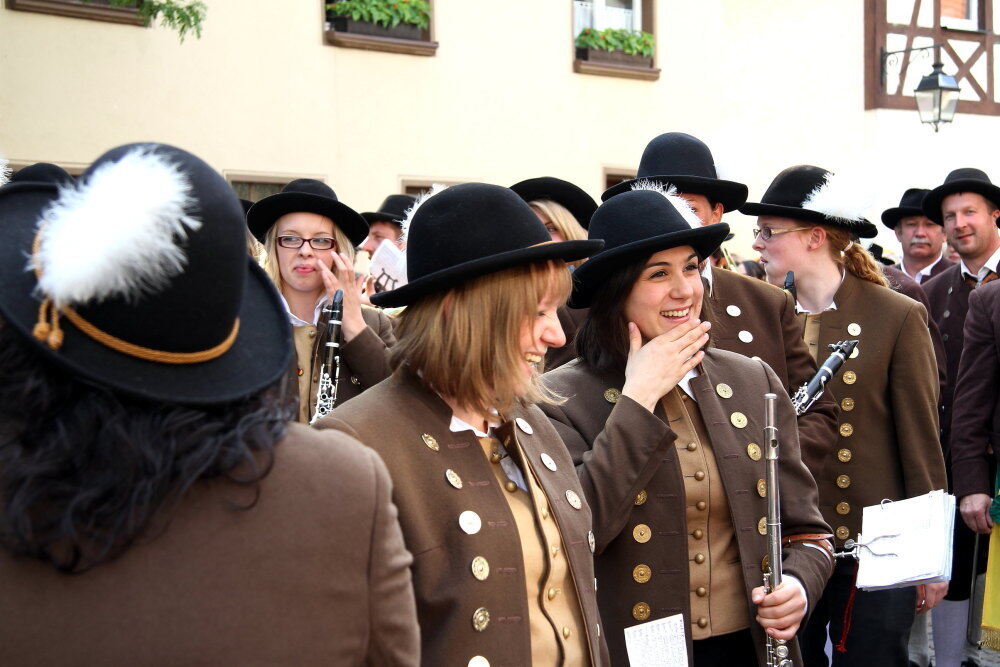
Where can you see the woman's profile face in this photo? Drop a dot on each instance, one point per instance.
(298, 267)
(550, 226)
(668, 292)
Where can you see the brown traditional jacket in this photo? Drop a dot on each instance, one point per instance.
(902, 283)
(461, 615)
(943, 264)
(315, 573)
(887, 441)
(975, 423)
(363, 361)
(629, 462)
(756, 319)
(949, 297)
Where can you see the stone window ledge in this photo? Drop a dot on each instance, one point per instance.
(352, 40)
(78, 9)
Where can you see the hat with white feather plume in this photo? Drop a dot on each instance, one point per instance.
(635, 225)
(137, 278)
(813, 194)
(465, 231)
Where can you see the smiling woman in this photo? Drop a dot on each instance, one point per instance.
(664, 433)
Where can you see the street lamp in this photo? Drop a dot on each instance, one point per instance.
(937, 97)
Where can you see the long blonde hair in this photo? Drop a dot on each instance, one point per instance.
(850, 256)
(563, 220)
(465, 343)
(268, 258)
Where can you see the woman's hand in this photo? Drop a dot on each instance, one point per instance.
(655, 368)
(928, 595)
(781, 611)
(352, 322)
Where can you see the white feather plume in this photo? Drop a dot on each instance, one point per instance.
(4, 171)
(117, 234)
(670, 192)
(841, 197)
(427, 194)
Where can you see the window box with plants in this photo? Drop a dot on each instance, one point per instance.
(616, 52)
(399, 26)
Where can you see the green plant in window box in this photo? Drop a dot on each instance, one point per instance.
(632, 42)
(387, 13)
(181, 15)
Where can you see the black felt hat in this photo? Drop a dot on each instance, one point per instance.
(310, 196)
(392, 210)
(909, 205)
(812, 194)
(39, 173)
(246, 204)
(878, 252)
(572, 197)
(471, 230)
(966, 179)
(686, 163)
(637, 224)
(164, 303)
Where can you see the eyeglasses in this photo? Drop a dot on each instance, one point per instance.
(318, 243)
(765, 233)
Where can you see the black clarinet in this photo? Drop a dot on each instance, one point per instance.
(329, 351)
(812, 390)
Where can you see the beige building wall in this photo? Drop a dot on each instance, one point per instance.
(767, 84)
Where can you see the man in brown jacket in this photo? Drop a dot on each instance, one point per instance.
(752, 317)
(159, 507)
(966, 205)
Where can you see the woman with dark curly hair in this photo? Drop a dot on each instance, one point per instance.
(147, 449)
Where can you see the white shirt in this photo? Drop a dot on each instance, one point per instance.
(510, 468)
(924, 273)
(706, 273)
(990, 265)
(833, 304)
(295, 320)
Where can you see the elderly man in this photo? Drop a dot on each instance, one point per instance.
(966, 204)
(922, 238)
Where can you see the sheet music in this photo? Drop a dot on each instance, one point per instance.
(658, 643)
(906, 542)
(388, 266)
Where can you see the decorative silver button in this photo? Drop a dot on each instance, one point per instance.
(591, 541)
(548, 461)
(745, 336)
(524, 426)
(734, 310)
(479, 661)
(854, 328)
(573, 499)
(469, 522)
(855, 352)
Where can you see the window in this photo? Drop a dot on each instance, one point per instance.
(255, 191)
(633, 56)
(98, 10)
(968, 41)
(404, 37)
(418, 186)
(613, 176)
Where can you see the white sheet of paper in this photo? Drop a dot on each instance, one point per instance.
(388, 266)
(658, 643)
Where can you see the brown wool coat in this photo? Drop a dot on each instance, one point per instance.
(620, 448)
(887, 445)
(742, 305)
(363, 361)
(902, 283)
(398, 418)
(314, 574)
(938, 269)
(976, 416)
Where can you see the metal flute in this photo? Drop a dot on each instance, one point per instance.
(329, 352)
(776, 649)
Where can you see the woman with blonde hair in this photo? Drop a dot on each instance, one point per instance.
(809, 222)
(309, 239)
(488, 498)
(565, 210)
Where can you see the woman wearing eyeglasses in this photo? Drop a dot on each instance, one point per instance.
(309, 239)
(888, 432)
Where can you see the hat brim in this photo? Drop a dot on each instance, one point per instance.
(932, 202)
(445, 279)
(892, 216)
(573, 198)
(730, 194)
(260, 355)
(376, 216)
(862, 228)
(594, 272)
(262, 215)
